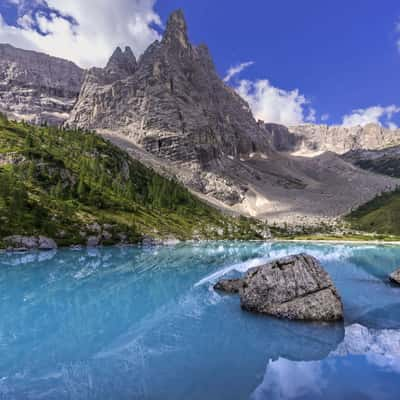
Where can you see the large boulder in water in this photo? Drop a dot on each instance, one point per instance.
(395, 276)
(294, 287)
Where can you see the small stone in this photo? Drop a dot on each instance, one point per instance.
(93, 241)
(95, 227)
(148, 240)
(171, 241)
(46, 243)
(106, 235)
(122, 237)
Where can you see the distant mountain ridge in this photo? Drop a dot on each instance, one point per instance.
(335, 138)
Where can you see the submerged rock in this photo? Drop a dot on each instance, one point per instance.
(229, 285)
(294, 287)
(395, 276)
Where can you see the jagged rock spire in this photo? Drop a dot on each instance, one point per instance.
(115, 58)
(129, 55)
(176, 31)
(122, 61)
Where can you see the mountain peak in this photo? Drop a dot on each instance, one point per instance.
(122, 61)
(176, 29)
(129, 53)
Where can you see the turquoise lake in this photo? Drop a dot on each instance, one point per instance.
(145, 323)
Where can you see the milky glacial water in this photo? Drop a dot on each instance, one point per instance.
(145, 323)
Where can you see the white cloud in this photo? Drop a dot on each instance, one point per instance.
(325, 117)
(312, 115)
(397, 29)
(84, 31)
(272, 104)
(237, 69)
(375, 114)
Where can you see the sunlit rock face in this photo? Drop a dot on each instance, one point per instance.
(36, 87)
(339, 139)
(172, 102)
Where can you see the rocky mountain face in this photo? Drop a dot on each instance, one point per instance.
(172, 105)
(172, 102)
(36, 87)
(338, 139)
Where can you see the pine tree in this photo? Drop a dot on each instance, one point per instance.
(81, 190)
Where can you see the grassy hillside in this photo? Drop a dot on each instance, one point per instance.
(69, 185)
(380, 215)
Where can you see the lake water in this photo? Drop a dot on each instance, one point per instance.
(131, 323)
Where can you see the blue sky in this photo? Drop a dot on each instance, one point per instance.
(339, 55)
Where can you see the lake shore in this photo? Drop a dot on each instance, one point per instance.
(340, 241)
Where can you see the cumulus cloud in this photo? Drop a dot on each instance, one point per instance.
(272, 104)
(237, 69)
(85, 32)
(375, 114)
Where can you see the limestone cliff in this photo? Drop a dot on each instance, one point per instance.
(36, 87)
(341, 139)
(310, 138)
(172, 102)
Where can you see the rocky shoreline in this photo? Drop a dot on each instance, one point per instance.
(20, 243)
